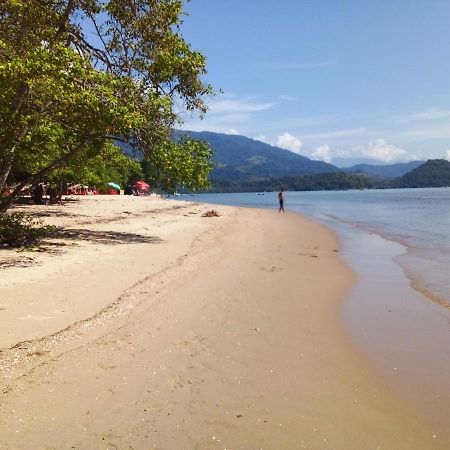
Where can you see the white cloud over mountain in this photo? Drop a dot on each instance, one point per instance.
(322, 153)
(289, 142)
(382, 151)
(379, 151)
(263, 138)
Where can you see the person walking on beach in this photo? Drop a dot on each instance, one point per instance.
(281, 200)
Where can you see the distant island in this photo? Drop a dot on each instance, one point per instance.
(242, 164)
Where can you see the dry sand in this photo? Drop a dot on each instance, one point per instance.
(163, 329)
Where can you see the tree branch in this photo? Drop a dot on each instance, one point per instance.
(64, 20)
(32, 179)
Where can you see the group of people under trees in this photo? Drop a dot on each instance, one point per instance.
(52, 194)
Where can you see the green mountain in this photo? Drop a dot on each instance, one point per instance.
(238, 159)
(384, 171)
(433, 173)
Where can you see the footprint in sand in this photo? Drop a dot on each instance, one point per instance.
(272, 269)
(30, 317)
(106, 366)
(175, 382)
(310, 255)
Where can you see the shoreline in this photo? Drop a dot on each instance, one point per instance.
(190, 358)
(407, 250)
(403, 259)
(397, 328)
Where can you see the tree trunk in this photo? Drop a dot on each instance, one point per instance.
(5, 168)
(9, 148)
(7, 201)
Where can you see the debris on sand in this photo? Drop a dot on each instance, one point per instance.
(212, 213)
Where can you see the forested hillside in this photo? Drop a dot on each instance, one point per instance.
(433, 173)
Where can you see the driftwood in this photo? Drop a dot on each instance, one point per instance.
(212, 213)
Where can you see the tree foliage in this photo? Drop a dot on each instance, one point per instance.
(179, 164)
(20, 230)
(77, 74)
(433, 173)
(109, 165)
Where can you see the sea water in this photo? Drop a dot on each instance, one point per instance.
(398, 313)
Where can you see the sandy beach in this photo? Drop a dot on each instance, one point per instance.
(144, 325)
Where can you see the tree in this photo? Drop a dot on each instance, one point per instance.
(182, 164)
(77, 74)
(110, 165)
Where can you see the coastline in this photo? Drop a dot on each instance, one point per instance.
(400, 329)
(232, 341)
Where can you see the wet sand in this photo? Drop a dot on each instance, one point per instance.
(226, 336)
(405, 334)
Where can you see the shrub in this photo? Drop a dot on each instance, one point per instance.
(18, 229)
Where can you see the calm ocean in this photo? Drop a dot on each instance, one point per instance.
(417, 219)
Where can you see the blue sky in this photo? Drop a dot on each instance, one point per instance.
(333, 80)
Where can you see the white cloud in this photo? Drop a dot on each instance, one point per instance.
(262, 138)
(327, 154)
(322, 153)
(233, 105)
(380, 150)
(427, 115)
(447, 155)
(231, 131)
(289, 142)
(425, 133)
(431, 114)
(225, 113)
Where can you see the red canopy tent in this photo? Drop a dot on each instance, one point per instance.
(142, 185)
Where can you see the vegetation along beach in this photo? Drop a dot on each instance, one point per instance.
(224, 225)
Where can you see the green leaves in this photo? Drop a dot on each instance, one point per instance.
(108, 164)
(179, 165)
(21, 230)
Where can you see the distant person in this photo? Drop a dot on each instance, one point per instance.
(38, 194)
(281, 200)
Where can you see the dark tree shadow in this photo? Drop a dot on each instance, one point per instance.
(53, 213)
(104, 237)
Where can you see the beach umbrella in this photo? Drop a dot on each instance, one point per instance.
(142, 185)
(114, 185)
